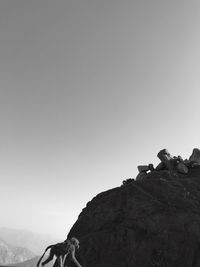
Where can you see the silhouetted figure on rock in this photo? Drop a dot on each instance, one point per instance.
(61, 251)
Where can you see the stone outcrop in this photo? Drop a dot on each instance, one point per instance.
(171, 163)
(146, 223)
(195, 157)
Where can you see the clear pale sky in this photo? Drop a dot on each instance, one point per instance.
(89, 89)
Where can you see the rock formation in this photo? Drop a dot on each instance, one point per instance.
(145, 223)
(195, 157)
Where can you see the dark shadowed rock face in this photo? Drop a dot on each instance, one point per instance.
(148, 223)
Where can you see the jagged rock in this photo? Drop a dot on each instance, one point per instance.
(160, 166)
(166, 159)
(147, 223)
(195, 157)
(141, 176)
(151, 167)
(143, 168)
(182, 168)
(179, 159)
(173, 164)
(127, 181)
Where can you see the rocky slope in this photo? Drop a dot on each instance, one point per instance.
(145, 223)
(12, 255)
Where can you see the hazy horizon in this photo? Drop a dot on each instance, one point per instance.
(89, 90)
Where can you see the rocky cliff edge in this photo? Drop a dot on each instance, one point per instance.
(150, 222)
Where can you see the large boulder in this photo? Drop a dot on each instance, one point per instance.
(166, 159)
(195, 157)
(143, 168)
(148, 223)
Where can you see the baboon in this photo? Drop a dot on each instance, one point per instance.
(61, 251)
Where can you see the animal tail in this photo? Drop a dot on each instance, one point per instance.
(40, 259)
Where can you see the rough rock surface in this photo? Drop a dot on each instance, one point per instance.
(148, 223)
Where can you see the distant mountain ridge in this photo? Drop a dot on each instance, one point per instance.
(29, 263)
(11, 255)
(27, 239)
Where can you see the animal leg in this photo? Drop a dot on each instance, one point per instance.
(50, 258)
(59, 261)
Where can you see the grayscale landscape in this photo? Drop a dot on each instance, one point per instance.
(100, 135)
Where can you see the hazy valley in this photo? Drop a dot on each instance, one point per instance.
(22, 247)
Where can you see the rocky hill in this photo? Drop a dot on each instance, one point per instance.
(11, 255)
(148, 222)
